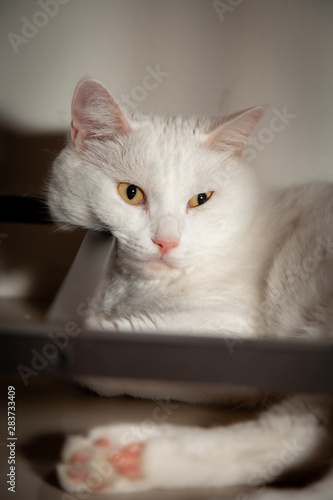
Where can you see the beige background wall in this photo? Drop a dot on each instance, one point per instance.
(214, 57)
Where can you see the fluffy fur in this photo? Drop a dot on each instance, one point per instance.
(249, 262)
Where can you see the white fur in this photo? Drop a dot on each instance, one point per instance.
(250, 262)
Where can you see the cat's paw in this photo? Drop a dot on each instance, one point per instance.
(101, 463)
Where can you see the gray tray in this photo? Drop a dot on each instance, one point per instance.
(280, 365)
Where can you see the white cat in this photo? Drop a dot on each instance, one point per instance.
(203, 247)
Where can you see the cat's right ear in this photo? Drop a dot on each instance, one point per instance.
(231, 133)
(95, 114)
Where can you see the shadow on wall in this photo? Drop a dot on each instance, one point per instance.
(26, 159)
(34, 255)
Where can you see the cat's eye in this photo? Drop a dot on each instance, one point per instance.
(130, 193)
(199, 199)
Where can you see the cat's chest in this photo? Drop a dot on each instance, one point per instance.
(128, 294)
(195, 291)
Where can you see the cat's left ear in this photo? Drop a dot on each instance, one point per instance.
(95, 114)
(232, 133)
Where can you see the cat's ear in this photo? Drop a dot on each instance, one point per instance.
(231, 133)
(95, 114)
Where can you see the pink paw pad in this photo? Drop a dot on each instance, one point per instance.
(77, 474)
(80, 473)
(128, 461)
(98, 463)
(102, 443)
(79, 457)
(79, 467)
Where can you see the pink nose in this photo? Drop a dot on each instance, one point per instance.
(165, 246)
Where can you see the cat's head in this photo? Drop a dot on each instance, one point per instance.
(171, 190)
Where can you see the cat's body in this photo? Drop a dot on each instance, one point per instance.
(203, 248)
(278, 259)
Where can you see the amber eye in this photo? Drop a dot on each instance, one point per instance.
(199, 199)
(130, 193)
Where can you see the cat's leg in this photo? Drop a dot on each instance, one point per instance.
(123, 459)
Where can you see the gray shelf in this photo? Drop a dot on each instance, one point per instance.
(267, 364)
